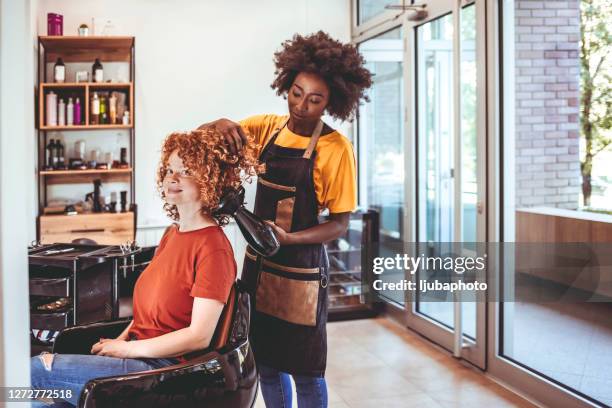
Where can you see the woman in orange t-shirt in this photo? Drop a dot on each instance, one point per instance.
(180, 295)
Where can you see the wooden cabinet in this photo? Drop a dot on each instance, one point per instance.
(104, 228)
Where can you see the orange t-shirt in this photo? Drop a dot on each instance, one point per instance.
(190, 264)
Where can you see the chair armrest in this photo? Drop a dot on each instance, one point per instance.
(79, 339)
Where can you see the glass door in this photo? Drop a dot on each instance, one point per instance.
(421, 153)
(449, 166)
(381, 146)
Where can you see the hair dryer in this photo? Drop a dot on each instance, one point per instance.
(259, 235)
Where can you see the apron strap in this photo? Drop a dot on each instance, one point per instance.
(313, 140)
(274, 135)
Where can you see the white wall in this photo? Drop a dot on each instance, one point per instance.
(199, 60)
(16, 198)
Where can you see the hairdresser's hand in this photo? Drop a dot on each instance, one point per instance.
(112, 348)
(284, 237)
(235, 137)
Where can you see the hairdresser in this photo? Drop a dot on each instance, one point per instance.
(309, 167)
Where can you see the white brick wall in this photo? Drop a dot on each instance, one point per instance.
(547, 35)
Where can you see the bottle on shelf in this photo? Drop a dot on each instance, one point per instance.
(54, 154)
(61, 161)
(77, 112)
(123, 201)
(97, 71)
(70, 113)
(113, 202)
(95, 110)
(97, 207)
(126, 117)
(79, 149)
(49, 155)
(103, 114)
(112, 109)
(61, 113)
(59, 71)
(51, 101)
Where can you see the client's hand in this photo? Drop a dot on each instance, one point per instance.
(112, 348)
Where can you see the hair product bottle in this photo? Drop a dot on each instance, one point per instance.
(112, 109)
(59, 71)
(97, 71)
(95, 110)
(51, 101)
(61, 113)
(123, 201)
(77, 112)
(103, 110)
(61, 161)
(70, 113)
(49, 155)
(54, 153)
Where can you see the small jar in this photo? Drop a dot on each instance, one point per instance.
(79, 149)
(83, 30)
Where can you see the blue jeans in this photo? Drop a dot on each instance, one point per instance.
(276, 389)
(73, 371)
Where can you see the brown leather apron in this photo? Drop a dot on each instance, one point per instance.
(289, 289)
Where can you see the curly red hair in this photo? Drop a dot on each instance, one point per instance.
(214, 168)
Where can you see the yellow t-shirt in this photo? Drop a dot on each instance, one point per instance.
(335, 175)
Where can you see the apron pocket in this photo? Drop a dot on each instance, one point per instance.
(292, 300)
(284, 213)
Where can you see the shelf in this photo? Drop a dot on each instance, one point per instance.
(87, 48)
(63, 85)
(80, 172)
(85, 127)
(110, 85)
(102, 85)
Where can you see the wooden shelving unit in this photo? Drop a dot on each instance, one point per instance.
(111, 228)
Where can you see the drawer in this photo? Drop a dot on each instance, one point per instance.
(50, 321)
(59, 287)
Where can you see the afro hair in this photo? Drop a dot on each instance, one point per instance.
(340, 65)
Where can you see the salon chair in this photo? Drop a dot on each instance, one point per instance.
(223, 375)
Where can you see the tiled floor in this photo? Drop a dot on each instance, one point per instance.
(570, 342)
(377, 363)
